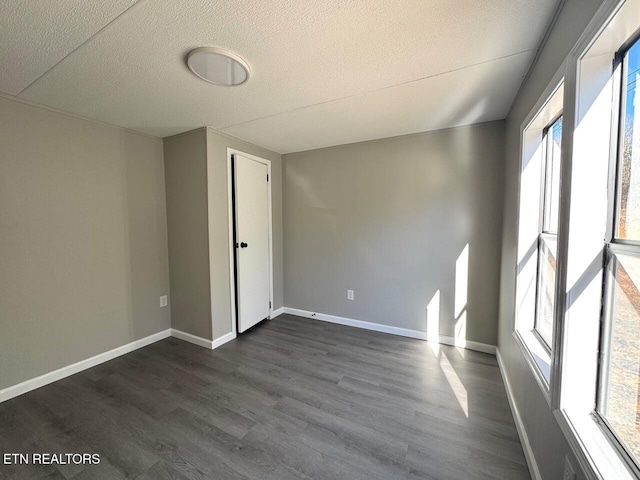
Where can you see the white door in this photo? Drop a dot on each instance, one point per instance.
(252, 241)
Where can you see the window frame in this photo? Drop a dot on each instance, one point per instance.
(614, 246)
(610, 267)
(541, 360)
(539, 288)
(620, 69)
(573, 385)
(545, 186)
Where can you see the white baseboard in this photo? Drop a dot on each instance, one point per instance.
(59, 374)
(522, 433)
(202, 342)
(222, 340)
(47, 378)
(29, 385)
(404, 332)
(468, 344)
(187, 337)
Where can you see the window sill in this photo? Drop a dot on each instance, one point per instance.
(537, 357)
(598, 459)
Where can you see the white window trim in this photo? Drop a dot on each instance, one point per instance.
(598, 458)
(596, 455)
(536, 353)
(537, 357)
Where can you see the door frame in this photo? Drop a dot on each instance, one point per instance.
(231, 225)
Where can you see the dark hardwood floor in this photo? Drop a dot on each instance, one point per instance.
(291, 399)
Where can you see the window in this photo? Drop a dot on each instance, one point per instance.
(538, 221)
(548, 234)
(619, 394)
(594, 386)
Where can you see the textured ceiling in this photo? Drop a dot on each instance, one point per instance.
(37, 34)
(323, 72)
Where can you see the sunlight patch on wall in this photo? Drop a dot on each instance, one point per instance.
(461, 281)
(433, 323)
(461, 330)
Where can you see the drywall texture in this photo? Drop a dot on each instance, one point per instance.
(391, 219)
(185, 164)
(547, 441)
(83, 245)
(217, 162)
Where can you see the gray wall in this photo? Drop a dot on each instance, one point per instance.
(198, 223)
(83, 246)
(389, 219)
(548, 442)
(217, 144)
(185, 164)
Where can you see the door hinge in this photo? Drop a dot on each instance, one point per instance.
(267, 177)
(269, 304)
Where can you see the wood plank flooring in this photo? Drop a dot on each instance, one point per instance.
(291, 399)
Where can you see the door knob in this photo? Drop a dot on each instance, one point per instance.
(243, 245)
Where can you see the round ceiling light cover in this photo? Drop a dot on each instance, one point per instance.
(218, 66)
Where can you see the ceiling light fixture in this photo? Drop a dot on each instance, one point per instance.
(218, 66)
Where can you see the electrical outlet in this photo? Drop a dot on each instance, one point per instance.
(569, 473)
(349, 294)
(163, 301)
